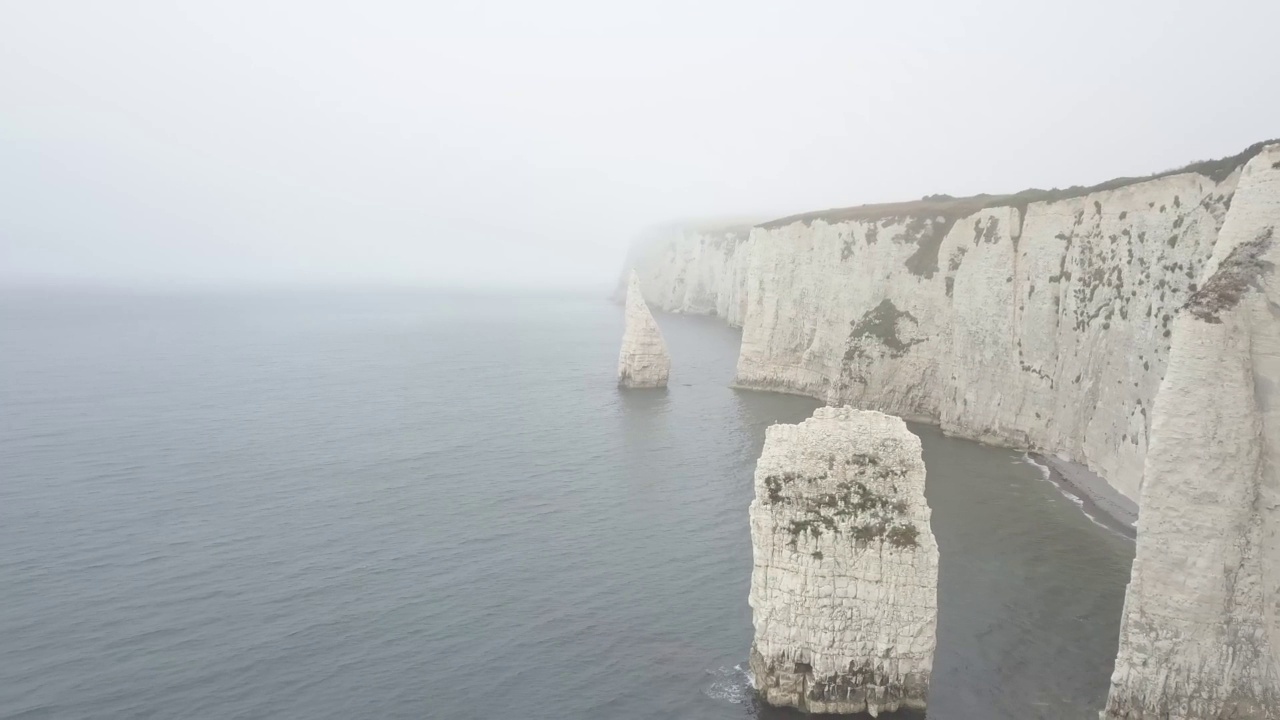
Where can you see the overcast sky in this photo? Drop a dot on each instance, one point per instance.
(525, 143)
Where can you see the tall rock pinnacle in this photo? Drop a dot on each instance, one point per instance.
(643, 362)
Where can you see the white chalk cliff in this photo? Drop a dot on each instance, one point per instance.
(1133, 327)
(844, 582)
(1200, 635)
(696, 269)
(643, 361)
(1038, 320)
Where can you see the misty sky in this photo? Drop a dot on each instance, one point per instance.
(525, 143)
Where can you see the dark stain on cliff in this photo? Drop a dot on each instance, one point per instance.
(927, 233)
(880, 324)
(988, 233)
(853, 508)
(1234, 277)
(991, 234)
(957, 257)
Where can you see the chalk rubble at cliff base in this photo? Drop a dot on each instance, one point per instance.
(643, 361)
(844, 583)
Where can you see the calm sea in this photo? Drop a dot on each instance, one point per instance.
(418, 505)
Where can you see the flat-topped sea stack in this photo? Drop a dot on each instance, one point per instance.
(845, 576)
(643, 362)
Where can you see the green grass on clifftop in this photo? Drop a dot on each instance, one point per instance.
(953, 208)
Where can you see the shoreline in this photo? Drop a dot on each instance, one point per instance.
(1099, 501)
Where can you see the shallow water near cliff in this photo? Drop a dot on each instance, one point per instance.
(407, 504)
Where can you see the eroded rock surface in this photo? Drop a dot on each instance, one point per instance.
(844, 583)
(643, 362)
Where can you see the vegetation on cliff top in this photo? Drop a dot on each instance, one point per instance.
(951, 208)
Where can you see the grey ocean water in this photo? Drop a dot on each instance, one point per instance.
(416, 505)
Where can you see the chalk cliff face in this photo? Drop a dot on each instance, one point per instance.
(1133, 327)
(844, 583)
(695, 269)
(1042, 323)
(1200, 636)
(643, 361)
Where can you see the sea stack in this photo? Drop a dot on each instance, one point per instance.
(845, 576)
(1200, 634)
(643, 362)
